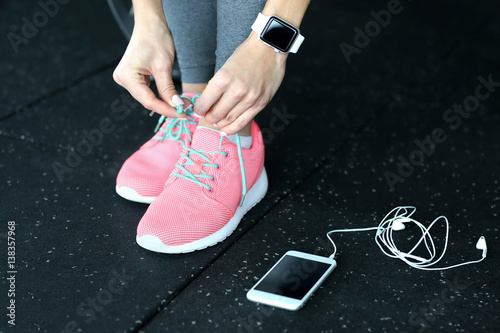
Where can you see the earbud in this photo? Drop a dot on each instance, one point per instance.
(481, 245)
(394, 221)
(398, 225)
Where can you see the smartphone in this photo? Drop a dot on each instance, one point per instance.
(292, 280)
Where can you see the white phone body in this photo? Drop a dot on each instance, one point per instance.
(292, 280)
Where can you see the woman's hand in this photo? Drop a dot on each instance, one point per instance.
(150, 52)
(242, 87)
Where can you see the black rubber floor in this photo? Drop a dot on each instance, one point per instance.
(345, 125)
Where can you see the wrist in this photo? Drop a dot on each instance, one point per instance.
(266, 50)
(151, 27)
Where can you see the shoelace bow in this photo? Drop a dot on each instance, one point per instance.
(176, 126)
(186, 174)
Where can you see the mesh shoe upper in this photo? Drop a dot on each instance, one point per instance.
(146, 171)
(204, 190)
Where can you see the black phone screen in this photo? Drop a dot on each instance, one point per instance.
(293, 277)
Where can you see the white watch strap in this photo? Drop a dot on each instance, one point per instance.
(296, 44)
(260, 23)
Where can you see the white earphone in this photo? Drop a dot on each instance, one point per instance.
(385, 241)
(481, 245)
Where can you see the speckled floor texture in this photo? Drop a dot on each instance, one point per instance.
(347, 139)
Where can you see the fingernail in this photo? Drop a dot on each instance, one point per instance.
(223, 133)
(196, 115)
(177, 100)
(215, 125)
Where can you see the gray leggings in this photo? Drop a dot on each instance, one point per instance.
(206, 33)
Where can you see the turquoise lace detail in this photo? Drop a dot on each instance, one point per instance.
(176, 126)
(186, 174)
(242, 166)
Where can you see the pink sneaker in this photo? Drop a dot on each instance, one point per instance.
(143, 175)
(206, 195)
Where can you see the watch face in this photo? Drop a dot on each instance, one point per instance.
(279, 34)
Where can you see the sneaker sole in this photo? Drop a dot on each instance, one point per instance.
(253, 197)
(130, 194)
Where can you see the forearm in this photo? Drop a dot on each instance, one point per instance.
(292, 11)
(148, 13)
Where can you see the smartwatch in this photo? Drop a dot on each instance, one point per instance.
(277, 33)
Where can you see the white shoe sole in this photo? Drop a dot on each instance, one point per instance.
(130, 194)
(254, 195)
